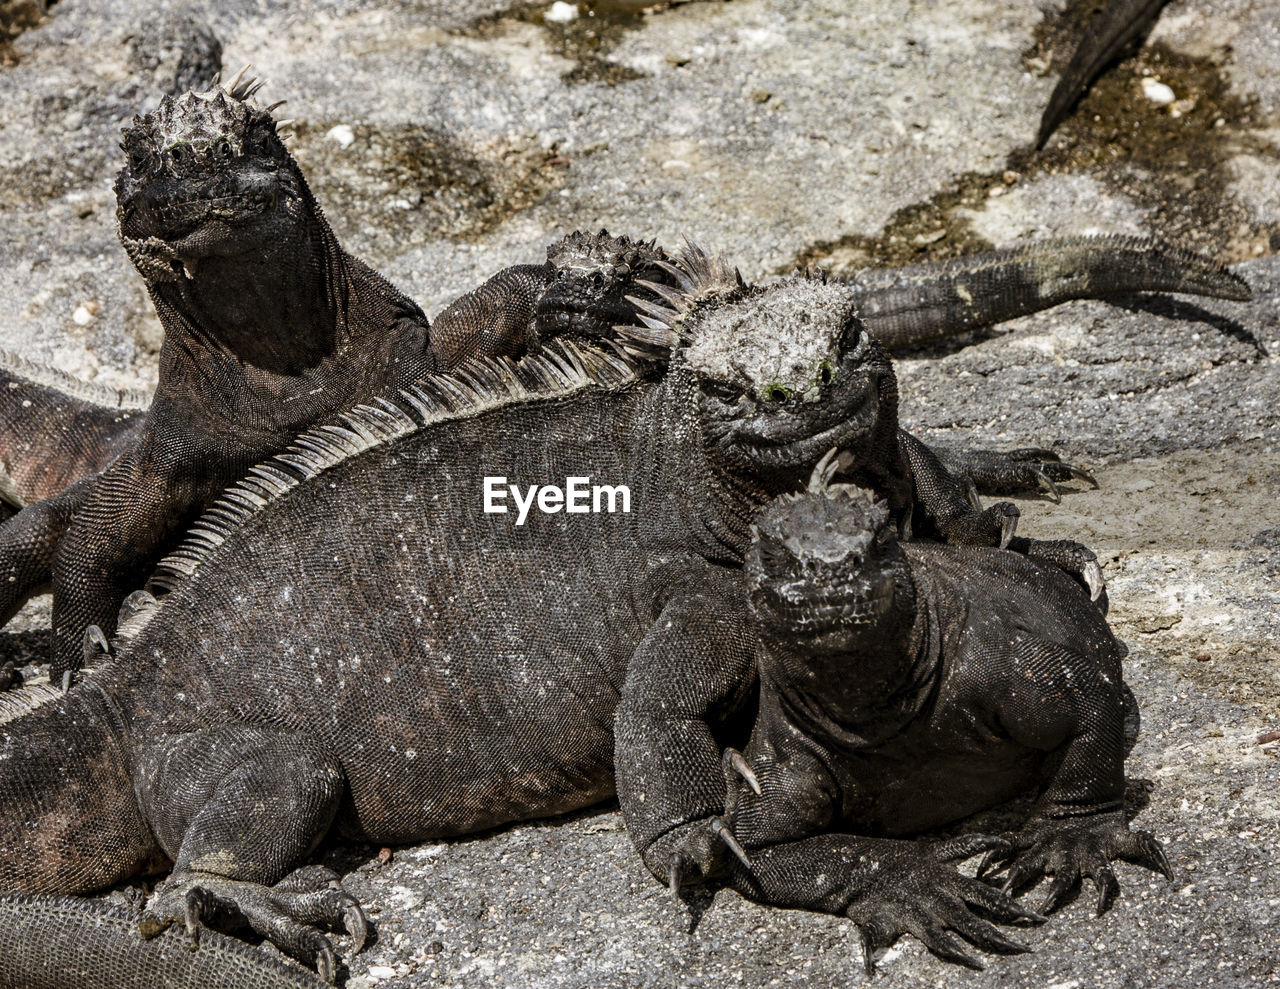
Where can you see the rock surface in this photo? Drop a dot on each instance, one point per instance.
(448, 138)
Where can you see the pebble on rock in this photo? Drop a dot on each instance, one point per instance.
(1157, 92)
(562, 13)
(341, 134)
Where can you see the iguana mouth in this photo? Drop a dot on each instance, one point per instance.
(172, 211)
(803, 451)
(809, 606)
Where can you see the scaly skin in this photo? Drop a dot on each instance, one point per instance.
(494, 671)
(58, 430)
(270, 326)
(907, 686)
(920, 303)
(43, 941)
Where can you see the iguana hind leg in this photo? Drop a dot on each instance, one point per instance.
(288, 914)
(237, 808)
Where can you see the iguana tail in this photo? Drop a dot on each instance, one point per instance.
(66, 943)
(55, 430)
(905, 307)
(69, 821)
(1106, 37)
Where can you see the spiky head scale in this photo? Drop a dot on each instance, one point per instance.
(581, 253)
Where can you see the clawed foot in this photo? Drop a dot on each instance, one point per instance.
(286, 914)
(698, 848)
(1071, 852)
(1076, 559)
(936, 904)
(1026, 469)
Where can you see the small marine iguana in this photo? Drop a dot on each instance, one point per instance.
(907, 686)
(270, 326)
(493, 670)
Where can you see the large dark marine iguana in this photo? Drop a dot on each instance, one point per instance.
(270, 326)
(906, 686)
(493, 670)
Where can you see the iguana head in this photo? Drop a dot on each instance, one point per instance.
(206, 174)
(779, 373)
(832, 599)
(823, 562)
(594, 275)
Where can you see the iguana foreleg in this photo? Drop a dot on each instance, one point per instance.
(29, 542)
(1078, 826)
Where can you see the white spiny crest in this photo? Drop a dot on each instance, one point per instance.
(241, 87)
(700, 277)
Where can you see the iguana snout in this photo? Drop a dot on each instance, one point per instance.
(823, 565)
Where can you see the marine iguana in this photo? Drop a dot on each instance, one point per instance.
(270, 326)
(907, 686)
(476, 680)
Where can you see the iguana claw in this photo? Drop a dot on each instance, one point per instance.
(1094, 580)
(725, 834)
(1007, 527)
(94, 645)
(735, 762)
(283, 914)
(1046, 484)
(1086, 849)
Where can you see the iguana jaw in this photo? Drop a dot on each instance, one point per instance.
(791, 432)
(179, 222)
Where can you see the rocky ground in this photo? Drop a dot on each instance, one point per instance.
(448, 138)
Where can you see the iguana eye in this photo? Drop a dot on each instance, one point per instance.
(721, 392)
(853, 334)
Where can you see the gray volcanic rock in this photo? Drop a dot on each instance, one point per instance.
(446, 139)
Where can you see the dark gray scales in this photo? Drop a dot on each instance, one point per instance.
(907, 686)
(492, 672)
(67, 931)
